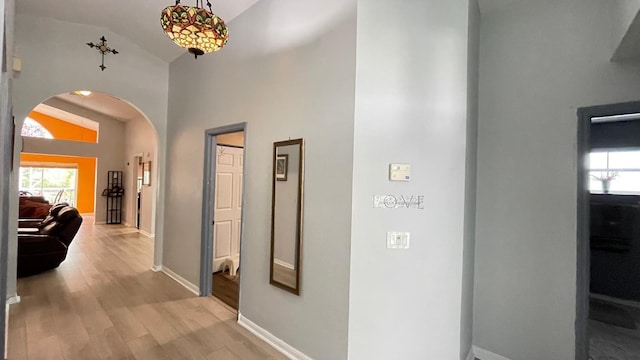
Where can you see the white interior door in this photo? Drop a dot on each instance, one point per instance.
(227, 204)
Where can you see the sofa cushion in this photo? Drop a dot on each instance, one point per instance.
(33, 210)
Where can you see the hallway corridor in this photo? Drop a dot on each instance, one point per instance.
(103, 302)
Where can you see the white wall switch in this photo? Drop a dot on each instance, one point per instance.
(397, 240)
(400, 172)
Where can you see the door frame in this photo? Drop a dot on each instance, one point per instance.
(585, 115)
(137, 158)
(208, 190)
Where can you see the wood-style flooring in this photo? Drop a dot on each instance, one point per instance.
(103, 303)
(284, 275)
(226, 287)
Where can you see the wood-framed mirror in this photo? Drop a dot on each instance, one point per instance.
(286, 214)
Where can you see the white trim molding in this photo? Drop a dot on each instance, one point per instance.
(180, 280)
(147, 234)
(15, 299)
(156, 268)
(483, 354)
(286, 349)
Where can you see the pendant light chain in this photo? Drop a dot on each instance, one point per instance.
(200, 4)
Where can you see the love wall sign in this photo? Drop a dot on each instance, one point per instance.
(398, 201)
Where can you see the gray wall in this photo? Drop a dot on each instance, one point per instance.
(539, 62)
(466, 326)
(6, 133)
(8, 254)
(411, 107)
(55, 60)
(288, 71)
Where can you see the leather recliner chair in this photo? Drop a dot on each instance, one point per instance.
(44, 248)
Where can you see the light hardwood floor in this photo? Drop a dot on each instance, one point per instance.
(103, 302)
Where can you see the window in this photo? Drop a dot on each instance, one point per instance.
(32, 128)
(614, 171)
(54, 184)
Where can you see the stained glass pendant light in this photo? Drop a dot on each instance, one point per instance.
(194, 28)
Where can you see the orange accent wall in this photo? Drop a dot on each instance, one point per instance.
(86, 176)
(62, 130)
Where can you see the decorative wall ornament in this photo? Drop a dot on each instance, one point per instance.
(399, 201)
(102, 49)
(194, 28)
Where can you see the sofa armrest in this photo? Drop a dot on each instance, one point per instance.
(36, 244)
(29, 230)
(29, 223)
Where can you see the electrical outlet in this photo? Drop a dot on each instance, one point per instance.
(398, 240)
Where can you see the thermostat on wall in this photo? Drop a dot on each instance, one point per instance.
(399, 172)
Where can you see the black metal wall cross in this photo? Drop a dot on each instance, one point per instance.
(102, 49)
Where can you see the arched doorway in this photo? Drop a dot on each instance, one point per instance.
(94, 133)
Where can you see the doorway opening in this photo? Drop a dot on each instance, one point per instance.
(222, 213)
(136, 200)
(608, 289)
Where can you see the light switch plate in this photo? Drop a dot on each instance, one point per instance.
(400, 172)
(397, 240)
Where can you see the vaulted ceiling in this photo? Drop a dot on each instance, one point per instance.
(138, 20)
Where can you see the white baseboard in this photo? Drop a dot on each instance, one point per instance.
(470, 355)
(180, 280)
(286, 349)
(483, 354)
(13, 300)
(283, 264)
(149, 235)
(156, 268)
(610, 299)
(99, 223)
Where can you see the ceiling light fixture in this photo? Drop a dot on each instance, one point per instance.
(84, 93)
(194, 28)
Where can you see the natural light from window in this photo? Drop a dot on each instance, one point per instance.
(614, 172)
(32, 128)
(54, 184)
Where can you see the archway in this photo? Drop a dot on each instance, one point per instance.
(112, 132)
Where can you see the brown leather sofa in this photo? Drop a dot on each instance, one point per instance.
(45, 247)
(33, 207)
(39, 222)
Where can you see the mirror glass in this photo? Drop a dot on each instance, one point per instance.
(286, 215)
